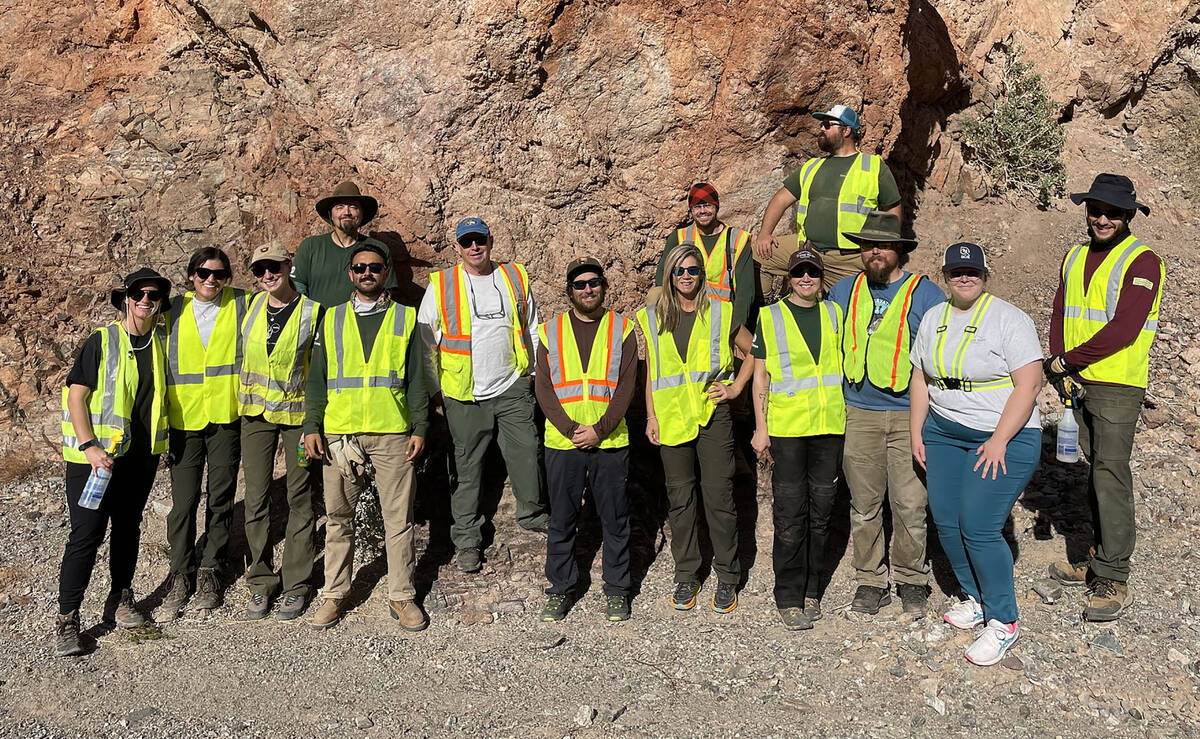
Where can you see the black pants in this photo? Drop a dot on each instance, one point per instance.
(219, 446)
(123, 503)
(566, 473)
(803, 483)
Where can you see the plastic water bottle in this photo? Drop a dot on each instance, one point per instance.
(301, 455)
(93, 489)
(1068, 435)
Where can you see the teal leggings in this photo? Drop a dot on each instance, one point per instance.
(970, 511)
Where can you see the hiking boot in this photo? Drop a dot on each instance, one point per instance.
(328, 614)
(208, 590)
(993, 643)
(470, 559)
(258, 607)
(1107, 600)
(409, 614)
(178, 591)
(724, 597)
(795, 619)
(869, 599)
(913, 599)
(965, 614)
(684, 598)
(124, 613)
(557, 605)
(66, 635)
(812, 609)
(290, 609)
(541, 529)
(1071, 574)
(617, 608)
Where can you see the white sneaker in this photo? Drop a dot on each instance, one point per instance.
(965, 614)
(993, 643)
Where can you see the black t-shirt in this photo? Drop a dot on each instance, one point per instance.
(276, 319)
(87, 368)
(808, 320)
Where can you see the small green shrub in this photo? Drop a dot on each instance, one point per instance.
(1019, 142)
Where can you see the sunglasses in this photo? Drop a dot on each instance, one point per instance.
(217, 274)
(959, 274)
(1112, 214)
(681, 271)
(805, 270)
(470, 240)
(881, 246)
(258, 269)
(359, 268)
(585, 284)
(138, 293)
(831, 124)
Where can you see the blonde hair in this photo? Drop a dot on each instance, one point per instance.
(667, 309)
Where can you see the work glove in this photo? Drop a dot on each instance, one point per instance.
(1057, 368)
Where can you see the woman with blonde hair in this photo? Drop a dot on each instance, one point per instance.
(690, 337)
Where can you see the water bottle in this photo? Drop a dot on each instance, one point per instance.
(93, 489)
(301, 455)
(1068, 435)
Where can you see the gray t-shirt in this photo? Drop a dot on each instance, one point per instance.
(1005, 340)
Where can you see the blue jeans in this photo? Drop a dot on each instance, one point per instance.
(970, 511)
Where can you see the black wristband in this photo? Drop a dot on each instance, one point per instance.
(87, 445)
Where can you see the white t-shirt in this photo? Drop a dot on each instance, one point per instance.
(1005, 340)
(206, 317)
(493, 364)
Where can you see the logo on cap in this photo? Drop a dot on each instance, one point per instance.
(964, 252)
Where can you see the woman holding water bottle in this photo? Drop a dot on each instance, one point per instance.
(114, 429)
(277, 336)
(977, 432)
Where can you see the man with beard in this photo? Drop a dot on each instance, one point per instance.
(479, 322)
(366, 381)
(1101, 327)
(883, 306)
(319, 269)
(728, 262)
(586, 374)
(833, 195)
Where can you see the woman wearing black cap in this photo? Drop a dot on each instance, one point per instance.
(976, 430)
(114, 418)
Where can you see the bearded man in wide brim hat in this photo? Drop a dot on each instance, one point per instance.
(319, 269)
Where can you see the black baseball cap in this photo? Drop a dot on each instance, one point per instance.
(964, 254)
(375, 248)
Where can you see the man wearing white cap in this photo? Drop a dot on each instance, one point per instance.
(833, 194)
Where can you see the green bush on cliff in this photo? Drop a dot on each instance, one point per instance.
(1019, 141)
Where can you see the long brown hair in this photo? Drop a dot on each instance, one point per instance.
(667, 309)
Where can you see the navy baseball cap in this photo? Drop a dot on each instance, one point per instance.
(841, 114)
(471, 226)
(964, 254)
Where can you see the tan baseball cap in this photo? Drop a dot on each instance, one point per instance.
(272, 250)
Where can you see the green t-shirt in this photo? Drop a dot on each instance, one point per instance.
(743, 272)
(320, 266)
(821, 224)
(808, 320)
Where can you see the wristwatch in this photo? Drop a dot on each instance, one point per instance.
(88, 445)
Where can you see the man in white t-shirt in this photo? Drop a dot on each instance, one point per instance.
(479, 323)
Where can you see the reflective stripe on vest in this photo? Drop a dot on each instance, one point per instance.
(881, 357)
(954, 371)
(198, 398)
(367, 395)
(1087, 309)
(272, 385)
(110, 404)
(858, 196)
(787, 382)
(719, 264)
(805, 392)
(585, 392)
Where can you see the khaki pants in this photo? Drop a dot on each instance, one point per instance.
(878, 463)
(838, 264)
(395, 481)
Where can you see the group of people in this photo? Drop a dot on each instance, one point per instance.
(922, 400)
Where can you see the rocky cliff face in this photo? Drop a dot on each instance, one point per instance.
(136, 131)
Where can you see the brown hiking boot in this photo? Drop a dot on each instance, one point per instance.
(179, 589)
(125, 614)
(795, 619)
(208, 590)
(1068, 573)
(66, 635)
(328, 614)
(409, 614)
(1107, 600)
(812, 609)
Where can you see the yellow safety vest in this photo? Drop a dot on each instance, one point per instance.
(678, 387)
(367, 396)
(858, 197)
(585, 394)
(272, 385)
(1088, 308)
(110, 404)
(721, 262)
(202, 383)
(805, 394)
(454, 313)
(882, 357)
(949, 374)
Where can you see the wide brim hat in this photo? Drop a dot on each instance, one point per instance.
(348, 191)
(1113, 189)
(145, 274)
(881, 227)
